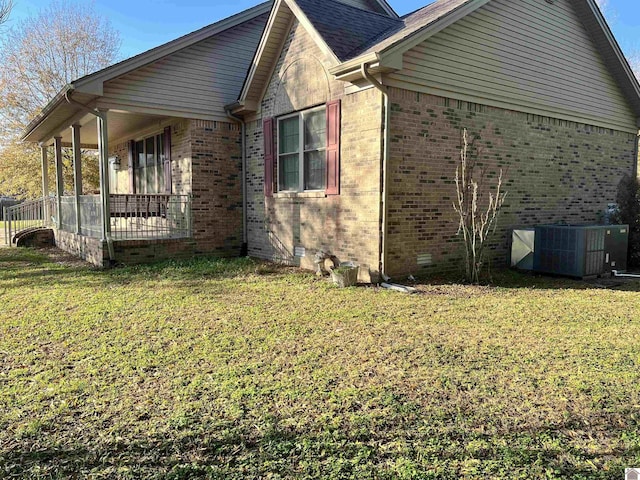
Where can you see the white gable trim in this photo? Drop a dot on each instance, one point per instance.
(387, 8)
(278, 10)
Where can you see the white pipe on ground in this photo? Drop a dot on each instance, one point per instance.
(624, 275)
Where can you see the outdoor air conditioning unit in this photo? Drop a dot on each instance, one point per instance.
(573, 251)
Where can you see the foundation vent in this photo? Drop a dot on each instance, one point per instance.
(425, 259)
(299, 251)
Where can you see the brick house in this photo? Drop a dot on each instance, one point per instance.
(344, 129)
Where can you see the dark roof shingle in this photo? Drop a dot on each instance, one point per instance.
(344, 28)
(350, 31)
(412, 23)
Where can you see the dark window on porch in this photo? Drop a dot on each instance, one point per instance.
(149, 164)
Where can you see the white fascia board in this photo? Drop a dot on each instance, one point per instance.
(354, 64)
(387, 8)
(260, 51)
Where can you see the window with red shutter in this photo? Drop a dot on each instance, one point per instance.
(307, 153)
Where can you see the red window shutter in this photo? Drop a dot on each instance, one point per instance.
(132, 157)
(333, 148)
(167, 159)
(269, 156)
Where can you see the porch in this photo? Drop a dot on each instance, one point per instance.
(150, 223)
(128, 185)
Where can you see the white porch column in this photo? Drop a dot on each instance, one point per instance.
(59, 178)
(45, 183)
(103, 148)
(77, 173)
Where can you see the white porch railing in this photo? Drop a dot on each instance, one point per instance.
(132, 217)
(68, 214)
(26, 215)
(138, 217)
(90, 216)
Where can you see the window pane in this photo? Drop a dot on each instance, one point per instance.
(140, 151)
(150, 150)
(141, 181)
(315, 125)
(160, 148)
(160, 178)
(288, 166)
(151, 179)
(289, 141)
(314, 170)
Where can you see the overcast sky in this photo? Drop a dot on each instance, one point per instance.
(144, 24)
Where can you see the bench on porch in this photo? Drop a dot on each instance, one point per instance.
(139, 206)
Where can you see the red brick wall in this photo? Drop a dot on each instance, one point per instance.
(216, 186)
(554, 170)
(346, 225)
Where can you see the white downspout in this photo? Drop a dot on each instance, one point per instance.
(384, 210)
(245, 241)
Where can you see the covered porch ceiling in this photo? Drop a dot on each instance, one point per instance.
(120, 126)
(56, 121)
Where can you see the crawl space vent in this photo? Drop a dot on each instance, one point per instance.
(425, 259)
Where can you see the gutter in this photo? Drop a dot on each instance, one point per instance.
(49, 107)
(104, 165)
(384, 204)
(245, 243)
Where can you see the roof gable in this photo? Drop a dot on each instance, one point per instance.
(528, 56)
(86, 90)
(388, 47)
(93, 83)
(612, 54)
(336, 27)
(347, 29)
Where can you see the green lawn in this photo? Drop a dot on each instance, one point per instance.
(233, 369)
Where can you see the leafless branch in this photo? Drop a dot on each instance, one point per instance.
(5, 10)
(477, 222)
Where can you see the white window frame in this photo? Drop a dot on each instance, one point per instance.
(301, 151)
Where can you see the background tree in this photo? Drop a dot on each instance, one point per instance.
(5, 10)
(39, 56)
(628, 213)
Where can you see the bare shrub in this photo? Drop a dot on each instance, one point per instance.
(478, 206)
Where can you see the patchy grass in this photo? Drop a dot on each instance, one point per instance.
(234, 369)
